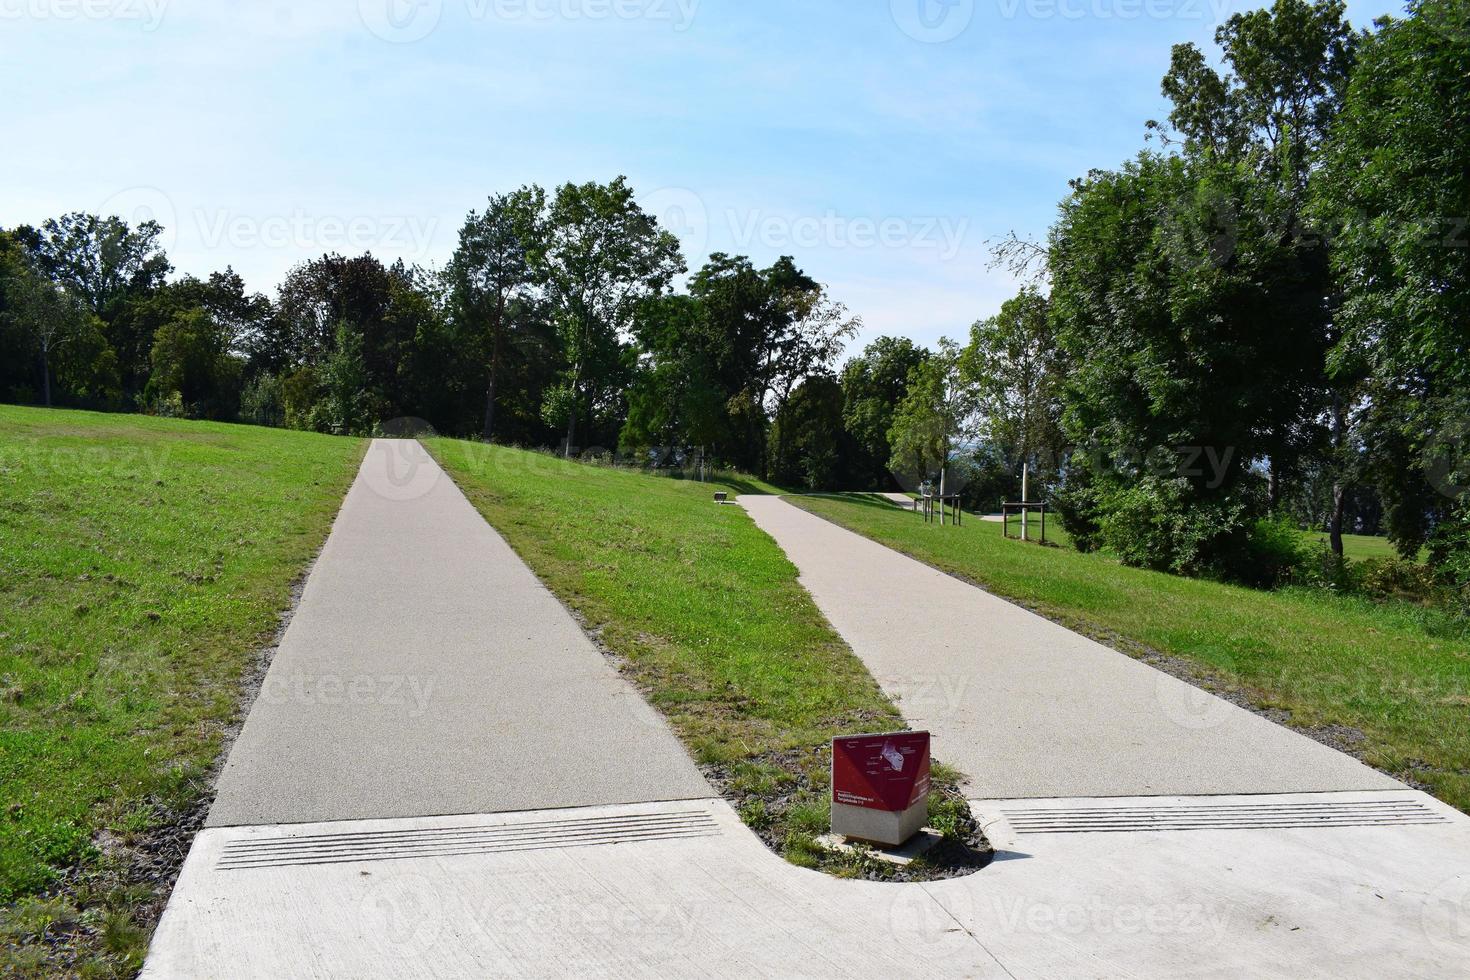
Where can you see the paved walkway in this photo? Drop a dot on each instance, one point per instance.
(1028, 708)
(427, 671)
(530, 816)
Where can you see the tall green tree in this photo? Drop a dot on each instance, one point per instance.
(1396, 187)
(936, 422)
(601, 256)
(1016, 368)
(491, 277)
(108, 265)
(874, 383)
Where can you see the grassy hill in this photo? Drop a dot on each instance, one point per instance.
(143, 563)
(1389, 681)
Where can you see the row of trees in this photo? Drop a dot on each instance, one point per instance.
(1264, 319)
(555, 323)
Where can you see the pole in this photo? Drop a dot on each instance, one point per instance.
(1025, 499)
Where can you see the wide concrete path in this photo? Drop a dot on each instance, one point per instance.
(427, 671)
(1027, 708)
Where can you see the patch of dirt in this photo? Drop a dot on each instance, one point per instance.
(964, 849)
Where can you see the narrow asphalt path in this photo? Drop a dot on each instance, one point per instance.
(1028, 708)
(428, 672)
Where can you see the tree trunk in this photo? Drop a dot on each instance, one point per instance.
(1339, 483)
(571, 420)
(1334, 527)
(490, 390)
(46, 375)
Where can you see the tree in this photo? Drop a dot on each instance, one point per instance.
(192, 363)
(491, 273)
(49, 314)
(935, 422)
(676, 399)
(811, 331)
(108, 266)
(1396, 181)
(873, 385)
(1271, 116)
(601, 256)
(810, 439)
(1015, 366)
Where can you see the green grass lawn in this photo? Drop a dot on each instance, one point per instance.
(143, 563)
(706, 616)
(1396, 673)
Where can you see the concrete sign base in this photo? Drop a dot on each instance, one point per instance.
(879, 826)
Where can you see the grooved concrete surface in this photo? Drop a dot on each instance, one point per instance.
(1345, 902)
(428, 672)
(1027, 708)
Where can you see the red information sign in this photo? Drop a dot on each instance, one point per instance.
(881, 772)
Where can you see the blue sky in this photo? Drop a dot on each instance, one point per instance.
(880, 142)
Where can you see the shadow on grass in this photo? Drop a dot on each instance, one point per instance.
(863, 499)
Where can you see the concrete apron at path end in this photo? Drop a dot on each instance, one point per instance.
(677, 887)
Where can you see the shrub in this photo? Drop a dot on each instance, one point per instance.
(1274, 554)
(1394, 578)
(1160, 524)
(1449, 557)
